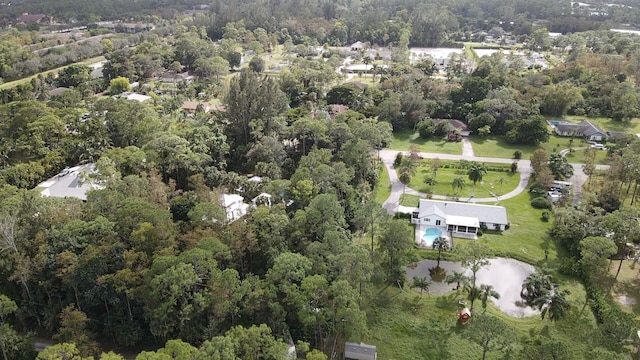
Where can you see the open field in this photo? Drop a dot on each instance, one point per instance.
(406, 326)
(495, 146)
(527, 237)
(496, 182)
(627, 289)
(403, 139)
(11, 84)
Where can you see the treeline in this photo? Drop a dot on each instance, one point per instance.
(153, 256)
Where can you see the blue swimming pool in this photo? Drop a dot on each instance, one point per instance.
(429, 235)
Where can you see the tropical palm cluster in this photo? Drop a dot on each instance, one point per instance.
(539, 292)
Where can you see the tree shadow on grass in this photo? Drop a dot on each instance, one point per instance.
(450, 301)
(629, 289)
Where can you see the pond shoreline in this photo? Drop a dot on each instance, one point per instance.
(504, 274)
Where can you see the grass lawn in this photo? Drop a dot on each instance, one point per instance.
(577, 156)
(496, 146)
(527, 237)
(628, 286)
(12, 84)
(405, 326)
(409, 200)
(382, 190)
(403, 139)
(490, 182)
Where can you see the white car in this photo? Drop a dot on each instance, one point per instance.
(598, 146)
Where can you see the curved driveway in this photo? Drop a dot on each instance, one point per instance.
(524, 168)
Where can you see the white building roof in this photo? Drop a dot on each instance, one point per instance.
(234, 206)
(462, 221)
(484, 213)
(69, 183)
(137, 97)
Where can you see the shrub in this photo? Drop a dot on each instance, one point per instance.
(514, 167)
(541, 203)
(537, 190)
(545, 216)
(425, 128)
(517, 154)
(398, 160)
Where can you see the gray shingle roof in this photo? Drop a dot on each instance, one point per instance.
(69, 183)
(484, 213)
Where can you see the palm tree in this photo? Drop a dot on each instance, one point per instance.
(553, 304)
(534, 286)
(421, 283)
(459, 184)
(475, 173)
(501, 181)
(430, 181)
(440, 243)
(486, 292)
(374, 70)
(406, 172)
(474, 294)
(458, 278)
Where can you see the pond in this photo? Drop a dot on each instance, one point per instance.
(505, 275)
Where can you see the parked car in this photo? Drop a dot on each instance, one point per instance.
(598, 146)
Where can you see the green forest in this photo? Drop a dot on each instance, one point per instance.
(238, 206)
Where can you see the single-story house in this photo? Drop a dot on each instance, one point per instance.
(378, 54)
(584, 129)
(458, 219)
(360, 351)
(26, 18)
(234, 206)
(70, 183)
(457, 125)
(357, 46)
(170, 77)
(136, 96)
(192, 106)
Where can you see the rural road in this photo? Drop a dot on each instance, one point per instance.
(524, 168)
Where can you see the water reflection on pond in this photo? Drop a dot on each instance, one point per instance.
(505, 275)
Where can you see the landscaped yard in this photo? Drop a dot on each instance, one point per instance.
(527, 236)
(409, 200)
(627, 289)
(12, 84)
(403, 139)
(496, 182)
(578, 156)
(382, 190)
(498, 147)
(406, 326)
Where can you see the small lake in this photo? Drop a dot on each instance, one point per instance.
(505, 275)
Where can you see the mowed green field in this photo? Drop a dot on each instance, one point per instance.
(493, 182)
(402, 140)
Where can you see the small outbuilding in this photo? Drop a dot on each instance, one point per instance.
(360, 351)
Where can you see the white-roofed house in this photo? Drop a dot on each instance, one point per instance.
(234, 206)
(70, 183)
(456, 219)
(136, 97)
